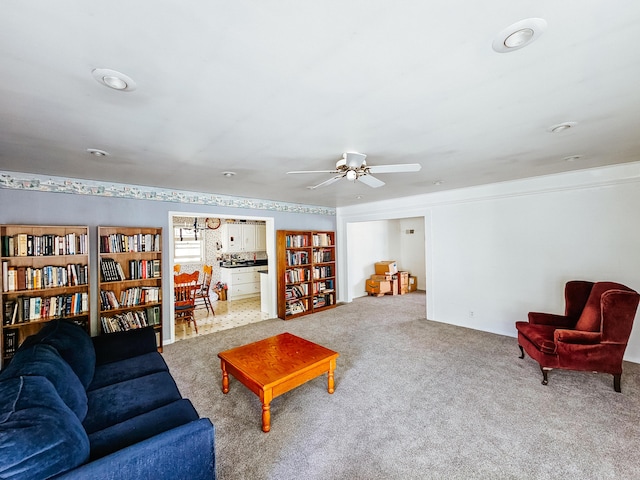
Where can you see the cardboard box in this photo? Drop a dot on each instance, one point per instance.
(376, 287)
(387, 266)
(381, 278)
(404, 278)
(413, 283)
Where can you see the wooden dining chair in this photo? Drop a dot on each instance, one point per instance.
(185, 288)
(202, 295)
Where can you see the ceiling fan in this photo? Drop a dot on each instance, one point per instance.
(353, 166)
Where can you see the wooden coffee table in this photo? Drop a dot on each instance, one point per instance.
(276, 365)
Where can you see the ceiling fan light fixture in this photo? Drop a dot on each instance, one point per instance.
(352, 175)
(519, 35)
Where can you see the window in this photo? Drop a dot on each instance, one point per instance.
(187, 247)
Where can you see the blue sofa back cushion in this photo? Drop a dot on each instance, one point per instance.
(45, 361)
(72, 343)
(39, 435)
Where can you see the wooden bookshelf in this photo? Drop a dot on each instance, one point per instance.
(45, 275)
(306, 268)
(130, 279)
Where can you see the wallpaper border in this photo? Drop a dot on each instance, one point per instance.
(43, 183)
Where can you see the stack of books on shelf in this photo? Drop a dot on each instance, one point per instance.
(297, 291)
(121, 243)
(295, 307)
(28, 309)
(322, 255)
(297, 258)
(322, 272)
(321, 240)
(323, 287)
(122, 322)
(27, 245)
(10, 342)
(29, 278)
(297, 241)
(297, 275)
(141, 269)
(111, 270)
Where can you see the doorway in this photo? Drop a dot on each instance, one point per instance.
(197, 240)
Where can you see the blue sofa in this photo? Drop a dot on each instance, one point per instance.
(76, 407)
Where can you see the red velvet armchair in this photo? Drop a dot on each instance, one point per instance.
(591, 336)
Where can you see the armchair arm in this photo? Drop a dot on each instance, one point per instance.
(577, 337)
(185, 452)
(559, 321)
(112, 347)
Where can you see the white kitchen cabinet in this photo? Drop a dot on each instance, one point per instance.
(239, 237)
(242, 282)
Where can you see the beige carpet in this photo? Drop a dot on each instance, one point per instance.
(414, 399)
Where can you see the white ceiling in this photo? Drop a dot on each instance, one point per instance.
(264, 87)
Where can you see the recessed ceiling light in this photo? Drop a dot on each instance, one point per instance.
(519, 35)
(97, 153)
(438, 182)
(561, 127)
(113, 79)
(228, 174)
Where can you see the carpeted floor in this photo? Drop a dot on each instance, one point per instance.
(414, 399)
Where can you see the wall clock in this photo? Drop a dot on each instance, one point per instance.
(212, 223)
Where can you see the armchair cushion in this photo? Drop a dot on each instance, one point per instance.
(539, 335)
(558, 321)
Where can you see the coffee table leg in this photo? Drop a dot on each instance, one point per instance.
(331, 385)
(225, 377)
(265, 398)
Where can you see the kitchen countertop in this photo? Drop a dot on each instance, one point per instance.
(250, 263)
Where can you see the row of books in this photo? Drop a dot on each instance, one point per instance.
(111, 270)
(297, 241)
(50, 276)
(130, 320)
(26, 309)
(129, 297)
(121, 243)
(322, 255)
(144, 269)
(296, 275)
(323, 300)
(297, 291)
(321, 240)
(27, 245)
(10, 343)
(322, 272)
(325, 286)
(294, 308)
(297, 258)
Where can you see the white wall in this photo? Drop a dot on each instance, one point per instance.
(493, 253)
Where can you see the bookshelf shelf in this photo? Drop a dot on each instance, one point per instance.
(130, 279)
(45, 275)
(306, 265)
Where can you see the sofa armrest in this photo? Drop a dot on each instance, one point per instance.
(186, 452)
(577, 337)
(559, 321)
(113, 347)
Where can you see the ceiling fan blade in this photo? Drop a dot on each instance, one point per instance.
(354, 159)
(314, 171)
(327, 182)
(371, 181)
(400, 168)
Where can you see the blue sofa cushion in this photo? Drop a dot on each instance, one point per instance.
(39, 435)
(128, 369)
(116, 403)
(45, 361)
(141, 427)
(72, 343)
